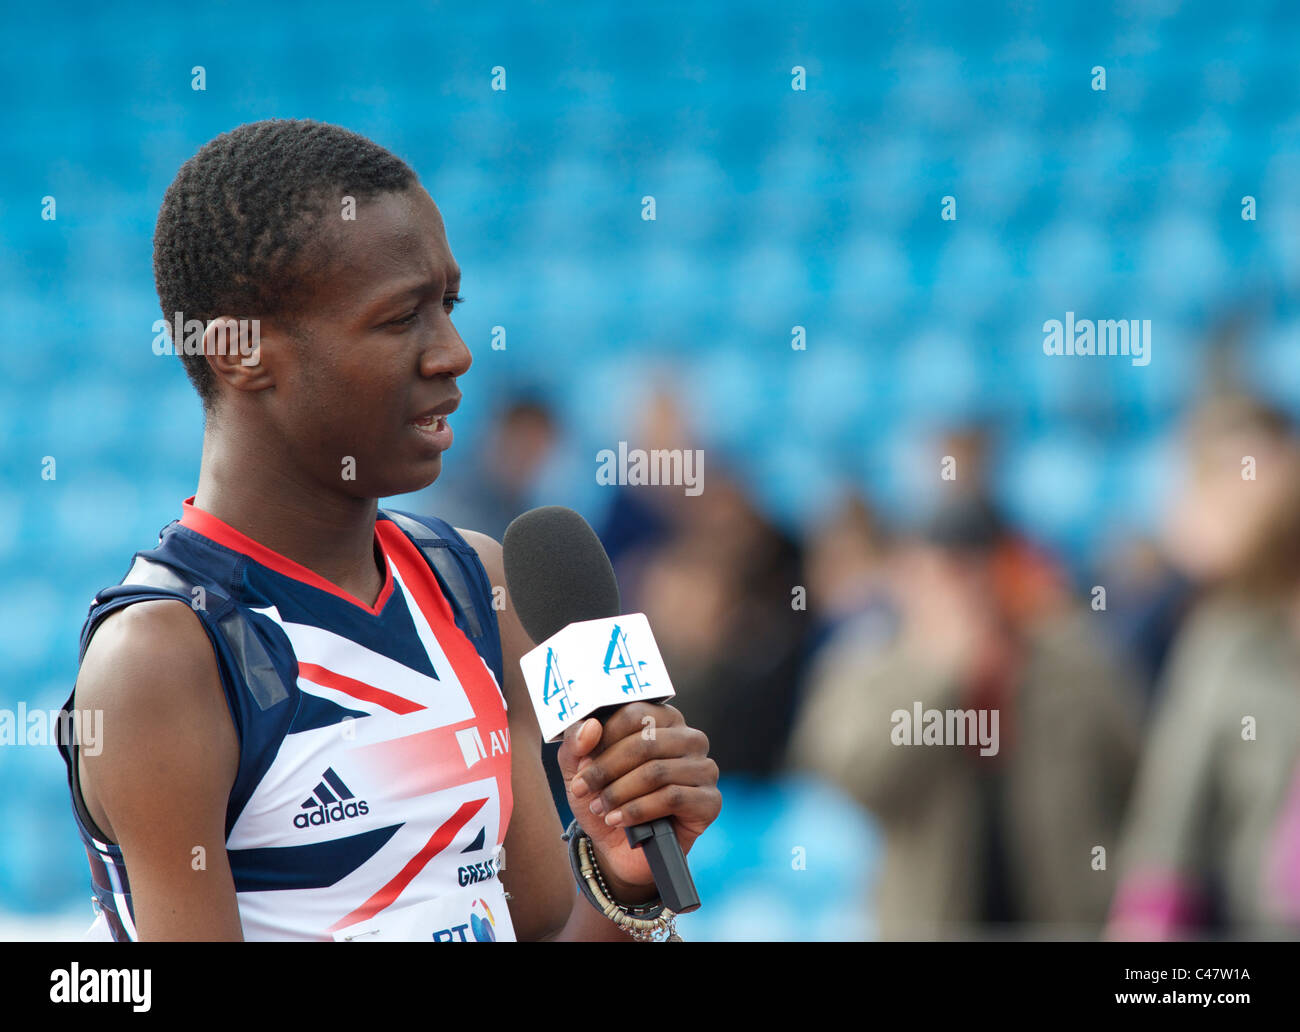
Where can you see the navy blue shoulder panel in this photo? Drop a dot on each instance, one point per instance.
(463, 579)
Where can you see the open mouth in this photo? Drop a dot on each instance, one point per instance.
(434, 429)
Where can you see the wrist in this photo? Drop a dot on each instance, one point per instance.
(643, 918)
(627, 893)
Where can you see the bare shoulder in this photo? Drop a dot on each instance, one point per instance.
(148, 661)
(139, 639)
(150, 676)
(489, 551)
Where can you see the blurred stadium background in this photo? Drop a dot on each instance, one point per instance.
(776, 208)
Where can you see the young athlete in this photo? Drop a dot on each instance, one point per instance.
(315, 726)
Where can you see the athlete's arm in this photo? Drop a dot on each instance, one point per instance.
(162, 778)
(666, 774)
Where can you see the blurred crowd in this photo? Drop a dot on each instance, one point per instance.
(1144, 777)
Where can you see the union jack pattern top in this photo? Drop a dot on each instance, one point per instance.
(374, 746)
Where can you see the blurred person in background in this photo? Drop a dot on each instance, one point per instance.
(1155, 581)
(715, 577)
(641, 518)
(850, 597)
(1212, 841)
(982, 843)
(1148, 598)
(718, 594)
(1219, 514)
(848, 594)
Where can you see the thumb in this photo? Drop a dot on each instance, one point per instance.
(579, 740)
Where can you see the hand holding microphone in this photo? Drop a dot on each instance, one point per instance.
(645, 849)
(644, 788)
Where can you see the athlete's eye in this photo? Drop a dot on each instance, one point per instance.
(410, 318)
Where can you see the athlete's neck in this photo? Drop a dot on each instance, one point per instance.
(326, 531)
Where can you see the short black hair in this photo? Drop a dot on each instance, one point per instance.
(234, 225)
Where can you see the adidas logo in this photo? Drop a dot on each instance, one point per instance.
(330, 801)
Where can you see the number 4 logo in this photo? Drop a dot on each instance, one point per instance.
(555, 686)
(618, 650)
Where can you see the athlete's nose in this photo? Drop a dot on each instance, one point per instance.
(447, 355)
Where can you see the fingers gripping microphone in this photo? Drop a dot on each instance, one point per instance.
(590, 659)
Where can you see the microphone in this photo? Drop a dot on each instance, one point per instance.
(590, 659)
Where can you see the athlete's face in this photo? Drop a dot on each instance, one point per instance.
(361, 396)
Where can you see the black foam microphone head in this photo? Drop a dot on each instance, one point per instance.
(557, 571)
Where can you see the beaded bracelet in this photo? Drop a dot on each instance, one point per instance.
(644, 922)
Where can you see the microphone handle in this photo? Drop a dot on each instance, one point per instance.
(662, 852)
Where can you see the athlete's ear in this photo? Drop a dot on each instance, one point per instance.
(234, 351)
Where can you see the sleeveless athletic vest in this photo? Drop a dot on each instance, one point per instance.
(374, 767)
